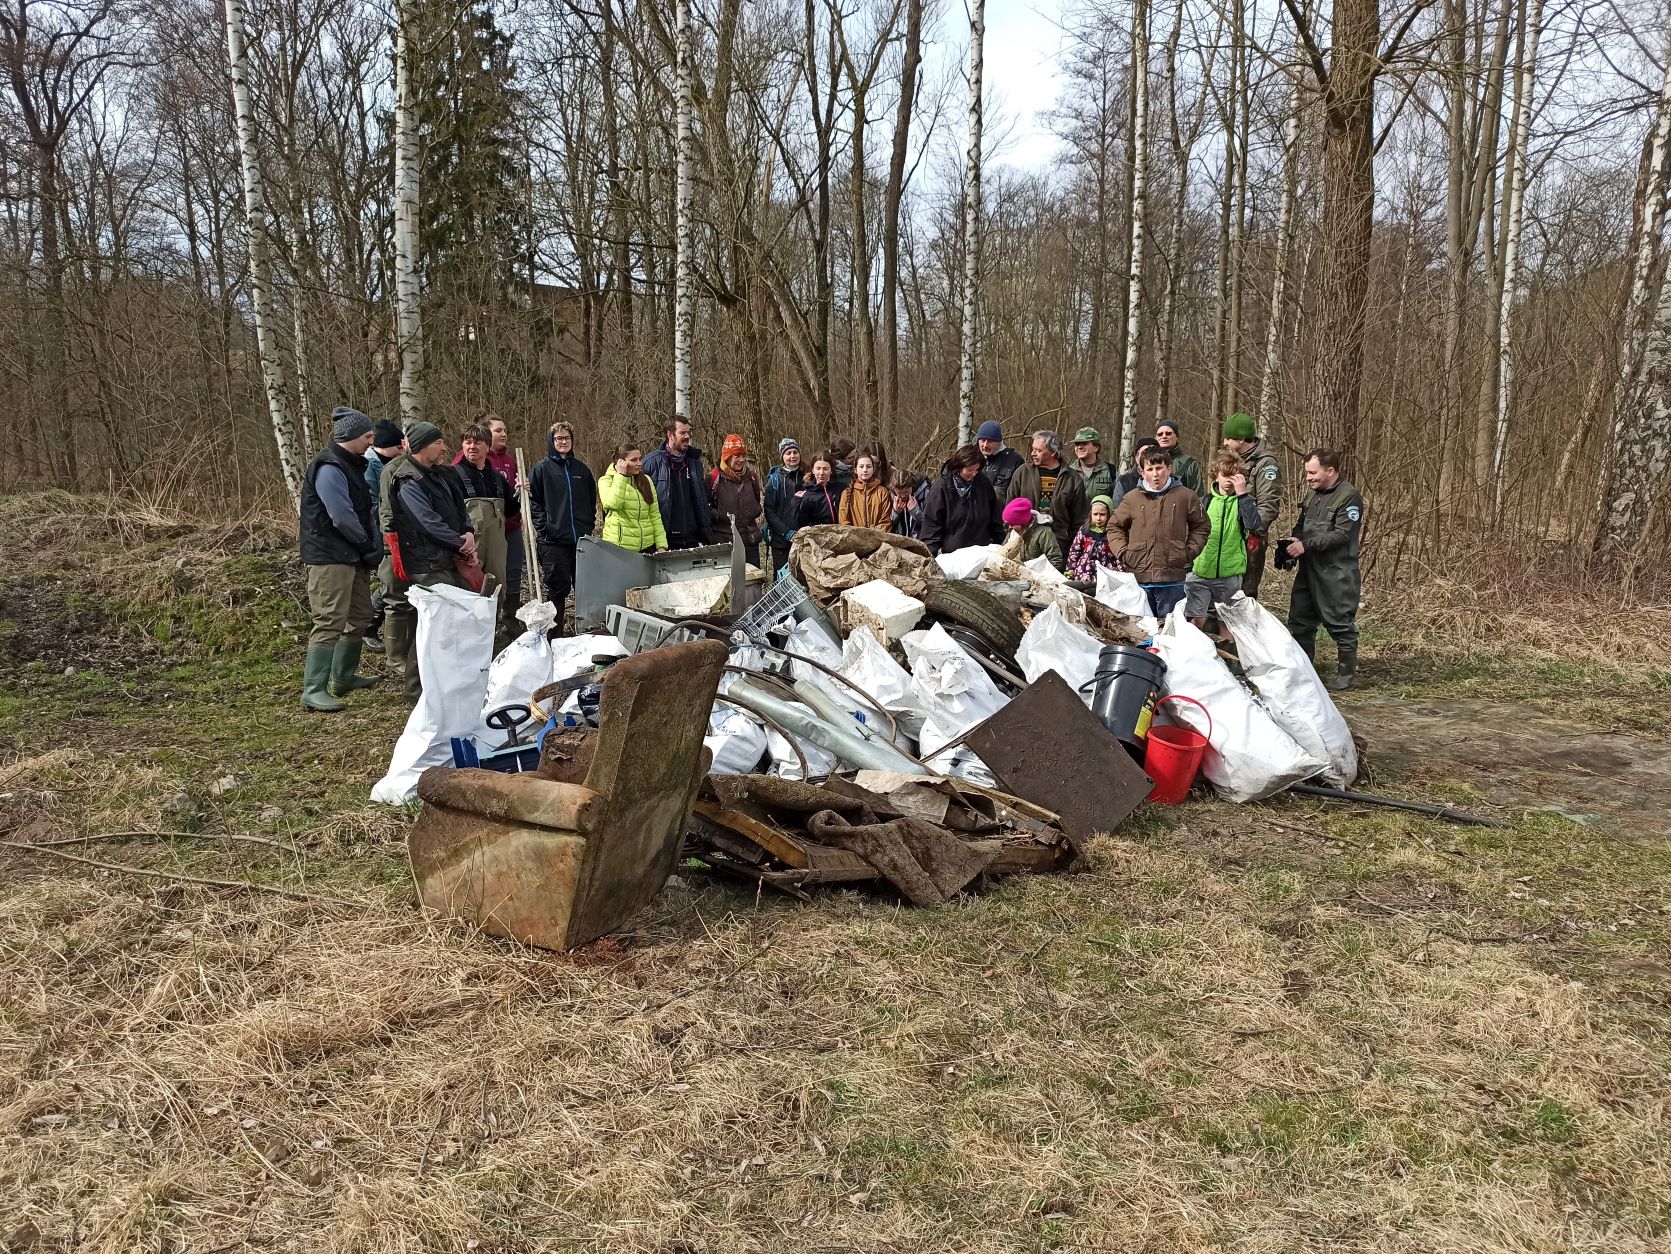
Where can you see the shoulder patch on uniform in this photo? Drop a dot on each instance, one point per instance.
(1270, 472)
(1354, 513)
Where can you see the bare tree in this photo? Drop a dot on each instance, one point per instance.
(1137, 212)
(407, 193)
(971, 231)
(259, 231)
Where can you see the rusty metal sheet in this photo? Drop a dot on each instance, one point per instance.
(1047, 747)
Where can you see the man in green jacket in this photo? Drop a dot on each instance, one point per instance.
(1186, 469)
(1216, 576)
(1098, 474)
(1264, 479)
(1325, 544)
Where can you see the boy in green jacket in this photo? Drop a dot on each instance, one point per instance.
(1234, 515)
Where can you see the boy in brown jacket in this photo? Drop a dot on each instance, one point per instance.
(1157, 531)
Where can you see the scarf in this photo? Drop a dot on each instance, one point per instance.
(963, 486)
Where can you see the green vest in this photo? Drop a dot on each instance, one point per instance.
(1226, 552)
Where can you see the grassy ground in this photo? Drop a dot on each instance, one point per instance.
(1282, 1027)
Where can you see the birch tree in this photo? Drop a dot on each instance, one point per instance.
(971, 230)
(1520, 130)
(684, 286)
(258, 225)
(1270, 401)
(407, 207)
(1139, 189)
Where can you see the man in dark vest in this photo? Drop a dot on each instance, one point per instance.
(340, 549)
(423, 505)
(1325, 544)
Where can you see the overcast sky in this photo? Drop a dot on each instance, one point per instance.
(1022, 43)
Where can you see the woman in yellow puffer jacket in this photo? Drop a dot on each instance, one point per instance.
(632, 517)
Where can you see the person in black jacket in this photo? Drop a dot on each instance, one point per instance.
(818, 503)
(962, 508)
(999, 461)
(563, 497)
(340, 547)
(781, 485)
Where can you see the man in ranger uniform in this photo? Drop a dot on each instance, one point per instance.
(1264, 480)
(1325, 544)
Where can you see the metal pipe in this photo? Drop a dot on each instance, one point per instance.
(1416, 807)
(821, 701)
(848, 746)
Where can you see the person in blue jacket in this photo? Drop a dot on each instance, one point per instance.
(681, 486)
(563, 498)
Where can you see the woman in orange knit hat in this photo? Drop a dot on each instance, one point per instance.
(734, 492)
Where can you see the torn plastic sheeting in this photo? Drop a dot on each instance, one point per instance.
(966, 563)
(872, 669)
(736, 741)
(1119, 590)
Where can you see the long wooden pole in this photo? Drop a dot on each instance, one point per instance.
(530, 538)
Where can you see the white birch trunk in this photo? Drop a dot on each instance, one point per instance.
(684, 287)
(1270, 400)
(1641, 427)
(1520, 130)
(971, 229)
(1139, 188)
(259, 229)
(408, 290)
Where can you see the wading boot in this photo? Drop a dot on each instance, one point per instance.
(1343, 671)
(344, 659)
(315, 675)
(399, 639)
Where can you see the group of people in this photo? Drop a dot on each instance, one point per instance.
(384, 510)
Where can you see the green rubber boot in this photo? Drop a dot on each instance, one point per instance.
(344, 659)
(1345, 671)
(399, 631)
(315, 675)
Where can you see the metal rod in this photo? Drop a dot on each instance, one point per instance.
(530, 560)
(1416, 807)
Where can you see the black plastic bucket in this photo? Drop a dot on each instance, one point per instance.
(1127, 681)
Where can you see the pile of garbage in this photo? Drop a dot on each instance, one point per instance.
(886, 715)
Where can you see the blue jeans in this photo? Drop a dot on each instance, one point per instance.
(1163, 596)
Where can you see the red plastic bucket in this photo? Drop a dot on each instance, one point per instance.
(1173, 755)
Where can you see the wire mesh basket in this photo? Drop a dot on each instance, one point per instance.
(781, 601)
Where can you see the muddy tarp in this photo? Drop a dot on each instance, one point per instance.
(923, 860)
(830, 560)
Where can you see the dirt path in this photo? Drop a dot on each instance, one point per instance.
(1521, 758)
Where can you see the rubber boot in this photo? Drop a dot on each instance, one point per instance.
(1343, 671)
(315, 675)
(344, 660)
(399, 638)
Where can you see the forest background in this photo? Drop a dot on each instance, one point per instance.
(1431, 234)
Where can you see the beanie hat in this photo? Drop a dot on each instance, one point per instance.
(386, 434)
(732, 446)
(348, 424)
(420, 435)
(1172, 426)
(1087, 435)
(990, 431)
(1239, 427)
(788, 442)
(1104, 500)
(1018, 513)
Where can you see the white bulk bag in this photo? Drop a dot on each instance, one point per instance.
(454, 647)
(872, 670)
(1120, 591)
(1289, 687)
(1249, 756)
(522, 668)
(736, 741)
(1052, 643)
(967, 562)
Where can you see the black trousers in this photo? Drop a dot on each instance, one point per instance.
(557, 571)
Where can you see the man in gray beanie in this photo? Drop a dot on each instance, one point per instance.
(339, 543)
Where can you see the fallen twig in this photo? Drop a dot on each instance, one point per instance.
(123, 867)
(253, 840)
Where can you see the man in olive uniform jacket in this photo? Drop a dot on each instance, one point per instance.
(1264, 481)
(1325, 543)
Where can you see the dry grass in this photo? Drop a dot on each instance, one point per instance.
(1257, 1029)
